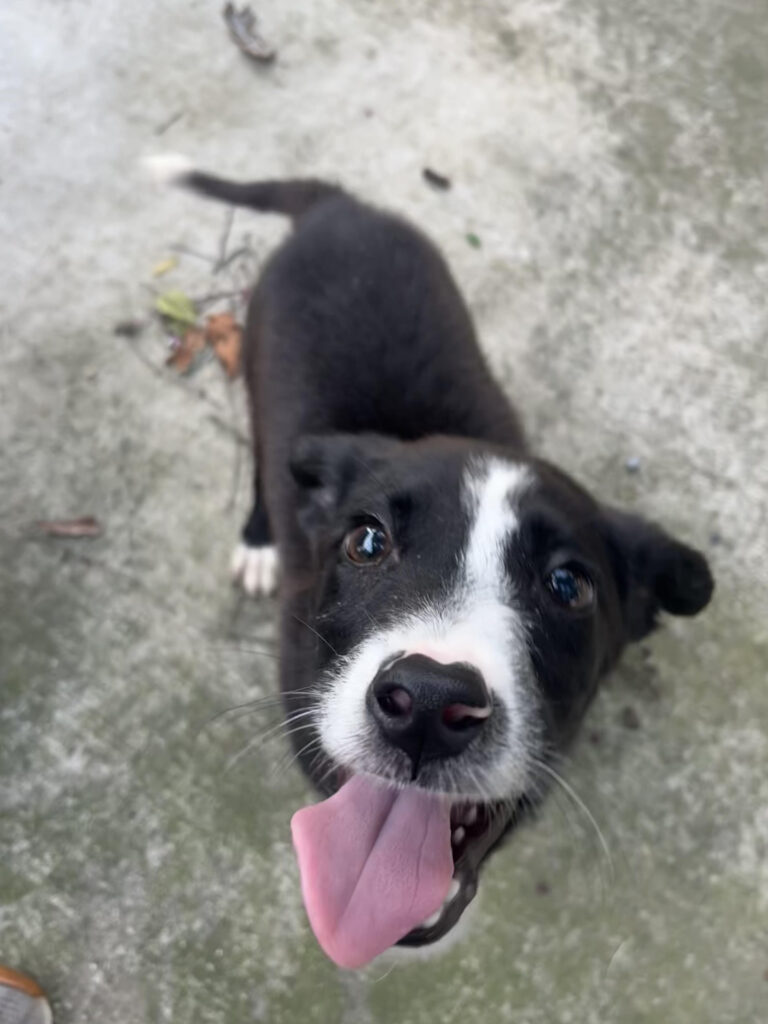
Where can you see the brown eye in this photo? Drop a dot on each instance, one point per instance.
(570, 588)
(368, 544)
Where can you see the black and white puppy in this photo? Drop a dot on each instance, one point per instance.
(448, 600)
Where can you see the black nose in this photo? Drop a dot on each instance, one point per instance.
(427, 709)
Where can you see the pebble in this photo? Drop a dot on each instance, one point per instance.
(629, 718)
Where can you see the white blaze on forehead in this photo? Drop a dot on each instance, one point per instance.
(492, 490)
(476, 623)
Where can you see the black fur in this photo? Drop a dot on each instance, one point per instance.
(370, 397)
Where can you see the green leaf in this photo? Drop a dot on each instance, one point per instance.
(473, 240)
(178, 307)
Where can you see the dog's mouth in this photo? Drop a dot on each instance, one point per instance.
(475, 830)
(382, 866)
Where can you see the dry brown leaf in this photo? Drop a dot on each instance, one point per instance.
(183, 354)
(225, 335)
(83, 526)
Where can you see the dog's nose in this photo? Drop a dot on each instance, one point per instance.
(427, 709)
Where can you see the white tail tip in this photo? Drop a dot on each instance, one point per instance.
(167, 168)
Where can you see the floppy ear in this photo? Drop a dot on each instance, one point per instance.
(326, 465)
(654, 572)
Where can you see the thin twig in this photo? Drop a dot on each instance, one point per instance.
(186, 251)
(214, 417)
(243, 250)
(229, 429)
(206, 300)
(237, 464)
(165, 125)
(229, 217)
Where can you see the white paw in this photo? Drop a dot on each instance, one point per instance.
(256, 569)
(167, 168)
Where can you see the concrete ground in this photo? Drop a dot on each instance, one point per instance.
(611, 161)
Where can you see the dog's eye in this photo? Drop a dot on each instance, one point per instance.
(571, 588)
(368, 544)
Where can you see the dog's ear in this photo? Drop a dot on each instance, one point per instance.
(326, 465)
(654, 572)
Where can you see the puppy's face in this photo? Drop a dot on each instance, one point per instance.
(468, 602)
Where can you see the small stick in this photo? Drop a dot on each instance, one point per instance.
(165, 125)
(229, 217)
(83, 526)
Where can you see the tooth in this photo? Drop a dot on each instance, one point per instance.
(458, 835)
(470, 816)
(453, 892)
(432, 920)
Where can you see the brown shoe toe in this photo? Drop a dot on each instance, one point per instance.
(22, 1001)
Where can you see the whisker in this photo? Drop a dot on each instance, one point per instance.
(332, 767)
(260, 703)
(251, 745)
(276, 698)
(265, 736)
(539, 789)
(340, 759)
(567, 788)
(479, 786)
(242, 649)
(313, 764)
(613, 956)
(364, 465)
(236, 714)
(371, 619)
(386, 974)
(283, 765)
(319, 636)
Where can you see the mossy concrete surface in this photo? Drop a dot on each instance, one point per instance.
(610, 159)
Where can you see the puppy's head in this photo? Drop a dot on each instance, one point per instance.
(468, 600)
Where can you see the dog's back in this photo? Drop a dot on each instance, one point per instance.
(358, 319)
(356, 322)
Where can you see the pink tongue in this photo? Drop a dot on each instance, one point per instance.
(374, 863)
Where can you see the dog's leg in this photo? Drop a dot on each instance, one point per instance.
(254, 560)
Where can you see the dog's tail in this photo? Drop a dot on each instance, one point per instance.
(292, 197)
